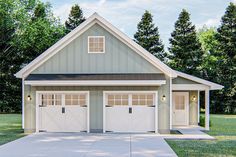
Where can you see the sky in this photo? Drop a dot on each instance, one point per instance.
(125, 14)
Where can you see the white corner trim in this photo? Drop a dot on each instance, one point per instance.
(104, 112)
(198, 105)
(189, 87)
(23, 103)
(156, 112)
(97, 83)
(88, 113)
(95, 18)
(171, 103)
(213, 86)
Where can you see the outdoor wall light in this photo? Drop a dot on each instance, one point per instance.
(194, 98)
(28, 97)
(163, 98)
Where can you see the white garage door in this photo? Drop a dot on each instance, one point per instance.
(63, 112)
(130, 112)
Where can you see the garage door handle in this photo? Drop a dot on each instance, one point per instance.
(63, 110)
(130, 109)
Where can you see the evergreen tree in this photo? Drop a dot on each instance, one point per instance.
(148, 37)
(75, 18)
(185, 49)
(226, 37)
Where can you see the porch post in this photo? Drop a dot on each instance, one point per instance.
(207, 119)
(198, 105)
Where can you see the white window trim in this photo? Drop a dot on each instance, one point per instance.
(60, 92)
(103, 43)
(131, 92)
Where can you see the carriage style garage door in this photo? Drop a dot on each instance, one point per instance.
(130, 111)
(63, 111)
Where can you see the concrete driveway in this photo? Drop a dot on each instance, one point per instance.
(87, 145)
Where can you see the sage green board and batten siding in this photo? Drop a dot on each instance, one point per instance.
(96, 103)
(193, 108)
(164, 107)
(181, 80)
(118, 57)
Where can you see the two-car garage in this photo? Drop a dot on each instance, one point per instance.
(123, 111)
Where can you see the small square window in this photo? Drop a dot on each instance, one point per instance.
(96, 44)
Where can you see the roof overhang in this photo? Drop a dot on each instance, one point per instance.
(133, 79)
(203, 84)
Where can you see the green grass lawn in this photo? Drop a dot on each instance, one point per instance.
(223, 129)
(10, 127)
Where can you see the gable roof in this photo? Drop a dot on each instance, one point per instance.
(213, 86)
(95, 18)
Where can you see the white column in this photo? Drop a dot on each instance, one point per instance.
(198, 105)
(207, 105)
(23, 102)
(171, 103)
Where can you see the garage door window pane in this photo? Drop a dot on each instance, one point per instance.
(117, 99)
(58, 99)
(50, 99)
(143, 99)
(75, 99)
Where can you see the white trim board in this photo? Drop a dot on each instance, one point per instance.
(185, 87)
(98, 83)
(95, 18)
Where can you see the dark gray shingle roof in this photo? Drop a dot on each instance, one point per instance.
(130, 76)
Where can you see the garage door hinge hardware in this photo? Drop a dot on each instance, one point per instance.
(108, 106)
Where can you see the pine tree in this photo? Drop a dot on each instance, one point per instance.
(148, 37)
(185, 49)
(75, 18)
(226, 37)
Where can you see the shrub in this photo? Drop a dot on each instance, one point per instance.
(202, 121)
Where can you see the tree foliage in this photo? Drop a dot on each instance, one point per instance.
(148, 37)
(28, 28)
(185, 49)
(226, 36)
(75, 18)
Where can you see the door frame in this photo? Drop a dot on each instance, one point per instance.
(59, 92)
(187, 106)
(131, 92)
